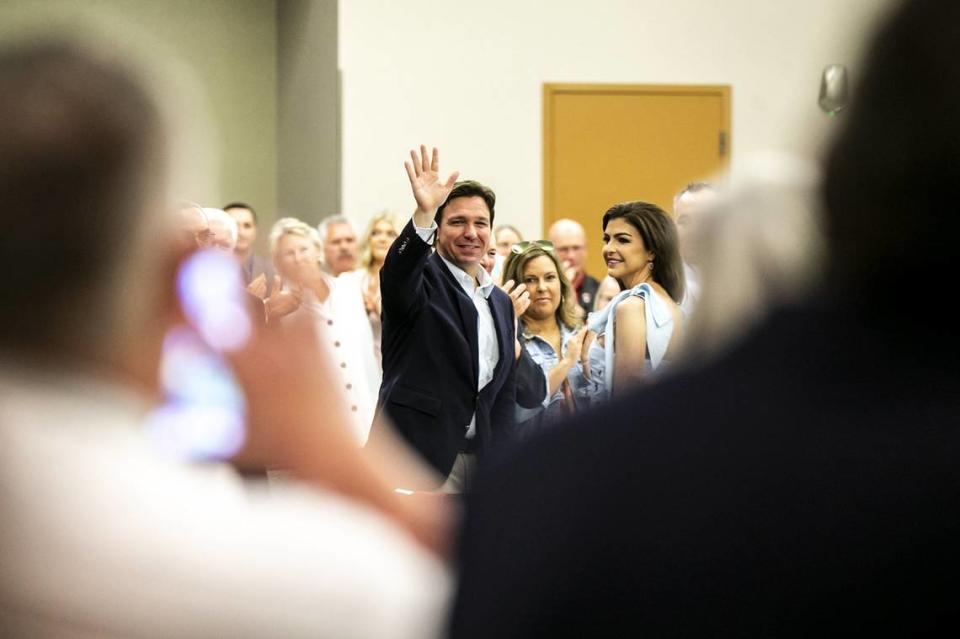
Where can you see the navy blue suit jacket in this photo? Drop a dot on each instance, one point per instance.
(430, 357)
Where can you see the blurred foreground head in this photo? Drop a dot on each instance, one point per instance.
(80, 185)
(892, 225)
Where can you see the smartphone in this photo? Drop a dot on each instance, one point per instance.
(203, 415)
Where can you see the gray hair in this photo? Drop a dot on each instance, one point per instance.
(219, 216)
(762, 247)
(333, 220)
(693, 187)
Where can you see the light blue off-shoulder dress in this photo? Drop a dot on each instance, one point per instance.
(659, 328)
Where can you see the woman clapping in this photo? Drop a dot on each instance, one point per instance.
(548, 329)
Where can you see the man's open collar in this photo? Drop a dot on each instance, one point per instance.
(463, 278)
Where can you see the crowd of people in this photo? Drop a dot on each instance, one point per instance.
(485, 440)
(567, 329)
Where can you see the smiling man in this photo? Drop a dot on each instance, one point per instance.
(448, 331)
(340, 249)
(253, 265)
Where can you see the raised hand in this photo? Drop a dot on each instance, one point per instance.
(258, 286)
(574, 347)
(371, 299)
(314, 280)
(519, 295)
(520, 298)
(281, 302)
(588, 338)
(428, 190)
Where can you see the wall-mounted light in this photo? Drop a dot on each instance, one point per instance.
(834, 90)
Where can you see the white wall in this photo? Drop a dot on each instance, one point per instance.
(467, 76)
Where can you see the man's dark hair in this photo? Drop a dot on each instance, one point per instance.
(468, 188)
(242, 205)
(660, 237)
(76, 141)
(892, 224)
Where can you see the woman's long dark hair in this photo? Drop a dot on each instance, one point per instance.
(659, 235)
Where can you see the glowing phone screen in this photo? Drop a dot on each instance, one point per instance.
(203, 416)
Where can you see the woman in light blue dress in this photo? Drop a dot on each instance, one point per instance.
(639, 330)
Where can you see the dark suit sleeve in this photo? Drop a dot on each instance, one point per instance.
(531, 382)
(503, 413)
(401, 278)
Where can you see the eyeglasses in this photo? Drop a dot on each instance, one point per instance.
(526, 245)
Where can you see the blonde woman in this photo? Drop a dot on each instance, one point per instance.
(339, 315)
(549, 328)
(380, 234)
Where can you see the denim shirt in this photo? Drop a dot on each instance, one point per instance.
(543, 354)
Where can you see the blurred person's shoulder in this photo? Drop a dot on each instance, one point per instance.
(788, 462)
(797, 362)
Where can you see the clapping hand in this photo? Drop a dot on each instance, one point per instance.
(258, 286)
(519, 295)
(574, 347)
(588, 337)
(281, 302)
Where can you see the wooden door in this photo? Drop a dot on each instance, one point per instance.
(604, 144)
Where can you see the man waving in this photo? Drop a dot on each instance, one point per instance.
(448, 331)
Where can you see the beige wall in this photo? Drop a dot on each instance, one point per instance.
(467, 76)
(308, 126)
(229, 45)
(294, 137)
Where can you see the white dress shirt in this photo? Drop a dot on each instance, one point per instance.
(487, 343)
(345, 333)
